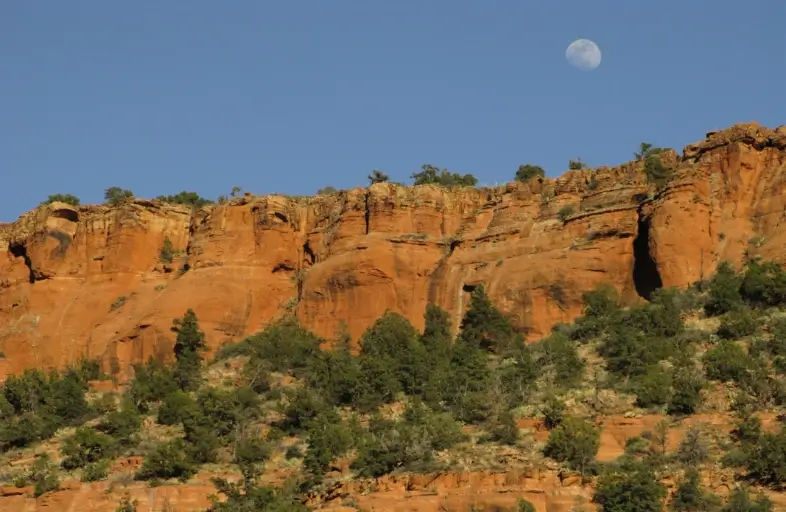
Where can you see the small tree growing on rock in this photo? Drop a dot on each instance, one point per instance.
(116, 195)
(377, 177)
(189, 346)
(527, 172)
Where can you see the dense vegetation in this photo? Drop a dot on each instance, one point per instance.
(404, 401)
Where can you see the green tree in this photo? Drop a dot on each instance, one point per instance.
(116, 195)
(236, 191)
(577, 165)
(326, 191)
(86, 446)
(168, 460)
(630, 486)
(191, 199)
(433, 175)
(565, 212)
(690, 497)
(644, 150)
(484, 326)
(574, 441)
(377, 177)
(526, 172)
(189, 345)
(740, 500)
(62, 198)
(724, 291)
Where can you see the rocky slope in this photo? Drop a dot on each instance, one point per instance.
(88, 281)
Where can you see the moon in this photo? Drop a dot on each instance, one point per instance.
(583, 54)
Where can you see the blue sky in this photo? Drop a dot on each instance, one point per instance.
(290, 96)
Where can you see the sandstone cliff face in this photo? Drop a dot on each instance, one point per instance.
(87, 281)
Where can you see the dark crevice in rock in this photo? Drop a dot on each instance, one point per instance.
(280, 216)
(646, 277)
(20, 251)
(368, 211)
(309, 253)
(283, 267)
(62, 213)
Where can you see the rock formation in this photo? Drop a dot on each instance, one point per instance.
(89, 281)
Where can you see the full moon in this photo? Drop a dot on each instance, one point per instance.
(583, 54)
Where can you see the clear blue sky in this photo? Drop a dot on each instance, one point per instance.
(289, 96)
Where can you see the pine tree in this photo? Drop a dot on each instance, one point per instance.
(483, 325)
(189, 346)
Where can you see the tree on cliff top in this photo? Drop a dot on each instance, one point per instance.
(189, 346)
(527, 172)
(63, 198)
(377, 177)
(433, 175)
(186, 198)
(116, 195)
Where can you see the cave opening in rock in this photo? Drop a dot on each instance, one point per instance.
(20, 251)
(646, 277)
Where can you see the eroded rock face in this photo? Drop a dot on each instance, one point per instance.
(89, 280)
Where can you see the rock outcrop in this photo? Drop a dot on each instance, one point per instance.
(89, 281)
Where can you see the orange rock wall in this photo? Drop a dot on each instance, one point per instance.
(350, 256)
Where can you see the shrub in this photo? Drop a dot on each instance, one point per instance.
(326, 191)
(85, 447)
(740, 500)
(127, 504)
(377, 177)
(525, 506)
(191, 199)
(693, 449)
(565, 212)
(690, 497)
(168, 460)
(62, 198)
(630, 486)
(727, 361)
(575, 442)
(167, 254)
(737, 323)
(653, 389)
(577, 165)
(561, 354)
(95, 471)
(445, 178)
(527, 172)
(177, 407)
(42, 476)
(724, 291)
(687, 393)
(116, 195)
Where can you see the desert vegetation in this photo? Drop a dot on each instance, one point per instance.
(410, 401)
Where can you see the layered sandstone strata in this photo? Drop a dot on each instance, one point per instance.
(87, 281)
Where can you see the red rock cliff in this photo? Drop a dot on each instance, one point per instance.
(87, 281)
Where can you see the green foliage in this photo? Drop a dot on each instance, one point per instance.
(445, 178)
(326, 191)
(740, 500)
(644, 149)
(657, 173)
(62, 198)
(127, 504)
(575, 442)
(630, 486)
(653, 388)
(560, 354)
(328, 439)
(177, 407)
(737, 323)
(484, 326)
(86, 446)
(687, 393)
(525, 506)
(116, 195)
(726, 361)
(577, 165)
(763, 284)
(690, 497)
(408, 443)
(693, 449)
(189, 345)
(152, 382)
(168, 460)
(377, 177)
(191, 199)
(724, 291)
(43, 476)
(167, 254)
(565, 212)
(95, 471)
(527, 172)
(123, 424)
(247, 496)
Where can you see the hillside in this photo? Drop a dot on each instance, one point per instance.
(89, 280)
(609, 340)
